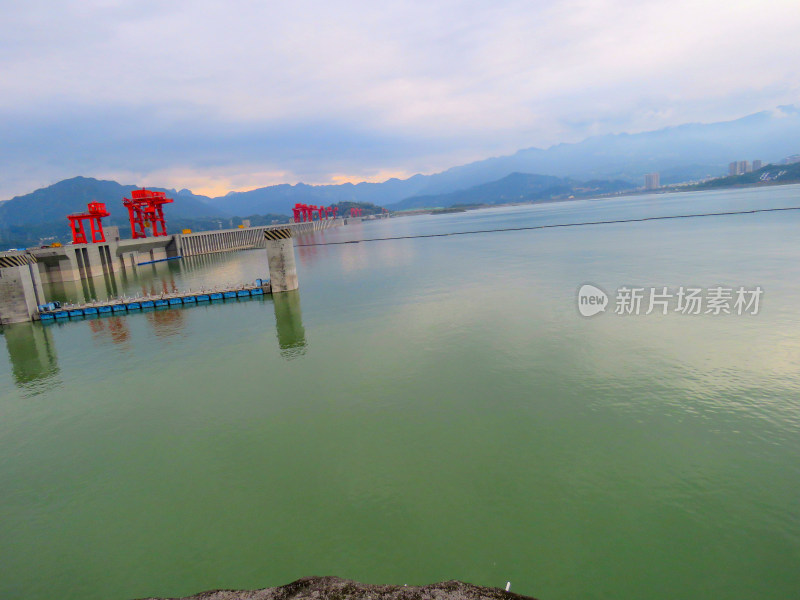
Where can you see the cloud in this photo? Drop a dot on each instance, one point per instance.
(313, 90)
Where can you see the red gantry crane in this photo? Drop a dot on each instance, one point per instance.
(303, 213)
(94, 213)
(145, 209)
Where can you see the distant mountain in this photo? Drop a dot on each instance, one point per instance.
(685, 153)
(517, 187)
(42, 214)
(281, 198)
(55, 202)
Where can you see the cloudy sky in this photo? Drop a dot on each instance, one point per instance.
(221, 96)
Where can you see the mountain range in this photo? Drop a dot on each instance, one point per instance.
(603, 163)
(684, 153)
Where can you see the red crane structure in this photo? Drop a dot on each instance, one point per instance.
(302, 213)
(95, 211)
(356, 212)
(145, 208)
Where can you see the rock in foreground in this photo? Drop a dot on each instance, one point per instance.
(333, 588)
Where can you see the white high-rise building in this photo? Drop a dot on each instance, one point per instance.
(652, 181)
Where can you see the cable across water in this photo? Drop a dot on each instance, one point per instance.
(555, 225)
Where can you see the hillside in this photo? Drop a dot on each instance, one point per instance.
(56, 201)
(517, 187)
(768, 175)
(24, 220)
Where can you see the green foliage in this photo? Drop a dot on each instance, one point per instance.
(367, 207)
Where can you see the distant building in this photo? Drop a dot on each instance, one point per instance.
(756, 165)
(739, 167)
(652, 181)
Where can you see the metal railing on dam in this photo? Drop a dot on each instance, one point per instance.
(226, 240)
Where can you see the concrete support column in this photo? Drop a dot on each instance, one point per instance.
(20, 293)
(280, 255)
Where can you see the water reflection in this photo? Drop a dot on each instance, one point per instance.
(166, 322)
(33, 355)
(165, 285)
(115, 328)
(156, 278)
(289, 322)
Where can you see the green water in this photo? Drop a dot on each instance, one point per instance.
(423, 410)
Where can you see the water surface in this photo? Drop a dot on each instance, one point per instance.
(423, 410)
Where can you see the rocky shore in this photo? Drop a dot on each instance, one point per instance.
(334, 588)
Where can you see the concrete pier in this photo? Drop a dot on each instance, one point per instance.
(280, 255)
(20, 287)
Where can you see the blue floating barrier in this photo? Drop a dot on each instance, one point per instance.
(104, 309)
(203, 298)
(62, 314)
(134, 306)
(118, 308)
(46, 317)
(242, 293)
(189, 299)
(175, 301)
(229, 295)
(75, 313)
(257, 292)
(90, 311)
(148, 304)
(216, 296)
(161, 303)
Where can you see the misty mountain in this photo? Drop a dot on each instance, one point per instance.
(517, 187)
(281, 198)
(685, 153)
(55, 202)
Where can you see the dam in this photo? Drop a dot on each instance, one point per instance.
(23, 272)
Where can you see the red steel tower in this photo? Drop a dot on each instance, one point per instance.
(145, 208)
(94, 213)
